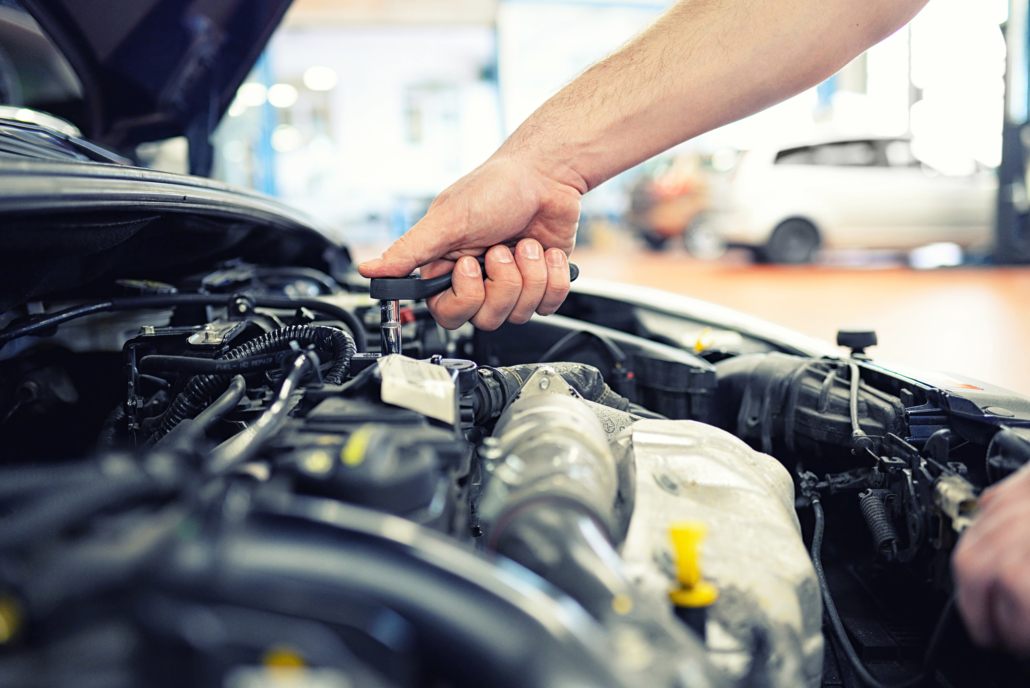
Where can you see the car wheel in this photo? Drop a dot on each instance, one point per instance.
(655, 242)
(792, 242)
(704, 241)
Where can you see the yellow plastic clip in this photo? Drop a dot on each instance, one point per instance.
(694, 590)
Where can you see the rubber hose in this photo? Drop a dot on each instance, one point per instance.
(212, 366)
(113, 425)
(223, 404)
(73, 505)
(202, 388)
(16, 482)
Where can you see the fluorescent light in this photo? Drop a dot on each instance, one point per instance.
(252, 94)
(286, 138)
(282, 95)
(320, 78)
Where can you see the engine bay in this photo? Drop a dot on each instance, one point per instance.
(218, 480)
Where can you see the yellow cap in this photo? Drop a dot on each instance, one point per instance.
(705, 340)
(10, 619)
(694, 591)
(353, 453)
(283, 658)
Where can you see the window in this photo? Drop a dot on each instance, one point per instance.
(899, 154)
(839, 154)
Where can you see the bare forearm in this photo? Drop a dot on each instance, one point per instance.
(705, 63)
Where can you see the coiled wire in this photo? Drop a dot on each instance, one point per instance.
(201, 389)
(874, 510)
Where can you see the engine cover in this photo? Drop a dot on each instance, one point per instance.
(765, 626)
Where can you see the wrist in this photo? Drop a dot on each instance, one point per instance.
(545, 153)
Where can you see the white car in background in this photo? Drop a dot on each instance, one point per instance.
(786, 203)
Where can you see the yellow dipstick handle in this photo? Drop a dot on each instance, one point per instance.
(694, 591)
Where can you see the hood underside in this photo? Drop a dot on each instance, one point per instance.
(154, 69)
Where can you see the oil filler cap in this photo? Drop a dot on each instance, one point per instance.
(693, 590)
(857, 340)
(694, 595)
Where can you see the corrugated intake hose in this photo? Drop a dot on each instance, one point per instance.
(498, 386)
(201, 389)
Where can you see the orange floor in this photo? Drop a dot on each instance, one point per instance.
(970, 321)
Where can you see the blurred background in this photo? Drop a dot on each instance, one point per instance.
(871, 200)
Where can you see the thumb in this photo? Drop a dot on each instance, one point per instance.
(420, 245)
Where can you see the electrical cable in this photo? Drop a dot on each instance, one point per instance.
(52, 320)
(563, 344)
(863, 673)
(201, 389)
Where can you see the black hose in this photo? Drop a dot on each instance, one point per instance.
(212, 366)
(863, 673)
(72, 505)
(201, 389)
(223, 404)
(114, 425)
(638, 410)
(15, 482)
(51, 321)
(859, 438)
(240, 448)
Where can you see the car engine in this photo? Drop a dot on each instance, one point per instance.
(218, 480)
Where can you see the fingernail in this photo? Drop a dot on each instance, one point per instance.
(470, 266)
(531, 249)
(374, 263)
(502, 256)
(555, 258)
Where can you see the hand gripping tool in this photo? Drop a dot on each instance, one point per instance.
(390, 291)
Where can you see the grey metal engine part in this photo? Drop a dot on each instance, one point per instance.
(765, 627)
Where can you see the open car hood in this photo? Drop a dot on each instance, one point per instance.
(154, 69)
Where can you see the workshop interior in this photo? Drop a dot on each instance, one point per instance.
(227, 460)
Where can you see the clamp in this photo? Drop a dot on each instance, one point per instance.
(390, 291)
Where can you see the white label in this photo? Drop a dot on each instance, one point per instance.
(418, 386)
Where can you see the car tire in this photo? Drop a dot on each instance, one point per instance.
(653, 241)
(793, 242)
(704, 241)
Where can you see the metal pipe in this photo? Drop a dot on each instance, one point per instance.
(390, 327)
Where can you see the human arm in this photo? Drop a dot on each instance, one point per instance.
(703, 64)
(991, 567)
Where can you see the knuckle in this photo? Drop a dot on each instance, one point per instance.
(489, 324)
(1011, 579)
(519, 318)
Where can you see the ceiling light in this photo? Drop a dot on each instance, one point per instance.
(282, 95)
(286, 138)
(320, 78)
(252, 94)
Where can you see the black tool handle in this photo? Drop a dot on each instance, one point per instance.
(414, 288)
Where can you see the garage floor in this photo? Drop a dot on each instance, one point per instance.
(970, 321)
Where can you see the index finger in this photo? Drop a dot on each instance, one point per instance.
(428, 240)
